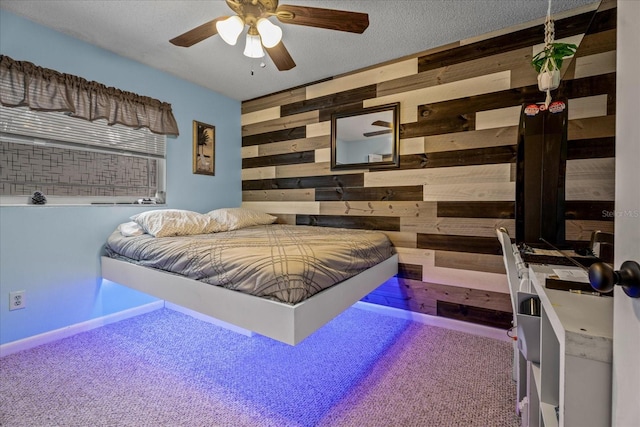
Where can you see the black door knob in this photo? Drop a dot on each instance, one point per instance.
(603, 278)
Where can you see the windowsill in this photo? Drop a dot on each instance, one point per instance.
(23, 201)
(28, 205)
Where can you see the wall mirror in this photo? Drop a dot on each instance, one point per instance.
(365, 139)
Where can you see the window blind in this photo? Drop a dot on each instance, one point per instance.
(20, 124)
(76, 161)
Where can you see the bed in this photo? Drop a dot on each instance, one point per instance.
(281, 281)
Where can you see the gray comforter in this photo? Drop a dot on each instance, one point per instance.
(286, 263)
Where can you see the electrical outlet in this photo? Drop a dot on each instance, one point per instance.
(17, 300)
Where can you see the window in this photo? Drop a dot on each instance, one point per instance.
(75, 161)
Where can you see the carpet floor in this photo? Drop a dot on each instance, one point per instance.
(168, 369)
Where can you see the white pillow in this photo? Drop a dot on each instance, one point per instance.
(235, 218)
(130, 229)
(175, 222)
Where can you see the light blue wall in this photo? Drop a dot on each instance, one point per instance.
(53, 252)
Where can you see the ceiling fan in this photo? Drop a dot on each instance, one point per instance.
(383, 124)
(256, 13)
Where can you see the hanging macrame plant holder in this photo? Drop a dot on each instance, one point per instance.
(548, 62)
(549, 75)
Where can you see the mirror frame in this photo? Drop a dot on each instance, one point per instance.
(394, 108)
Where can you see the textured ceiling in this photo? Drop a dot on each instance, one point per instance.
(141, 30)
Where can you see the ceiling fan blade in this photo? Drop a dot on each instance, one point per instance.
(280, 56)
(382, 123)
(376, 133)
(331, 19)
(197, 34)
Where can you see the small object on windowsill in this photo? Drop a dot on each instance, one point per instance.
(160, 198)
(38, 198)
(146, 201)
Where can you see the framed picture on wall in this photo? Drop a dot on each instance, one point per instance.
(204, 152)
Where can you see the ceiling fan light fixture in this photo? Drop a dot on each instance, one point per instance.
(230, 29)
(270, 33)
(253, 48)
(257, 13)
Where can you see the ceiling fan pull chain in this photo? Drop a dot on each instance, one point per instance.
(261, 64)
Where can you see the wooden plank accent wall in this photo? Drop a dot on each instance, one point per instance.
(460, 107)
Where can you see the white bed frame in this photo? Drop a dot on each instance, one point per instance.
(283, 322)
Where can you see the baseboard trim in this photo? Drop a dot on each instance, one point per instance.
(58, 334)
(442, 322)
(67, 331)
(208, 319)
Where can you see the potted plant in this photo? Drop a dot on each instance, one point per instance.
(548, 62)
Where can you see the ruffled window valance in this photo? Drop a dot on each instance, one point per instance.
(25, 84)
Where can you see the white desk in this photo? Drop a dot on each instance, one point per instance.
(576, 347)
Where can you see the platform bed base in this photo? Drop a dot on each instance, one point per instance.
(283, 322)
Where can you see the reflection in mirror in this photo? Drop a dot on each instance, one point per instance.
(365, 139)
